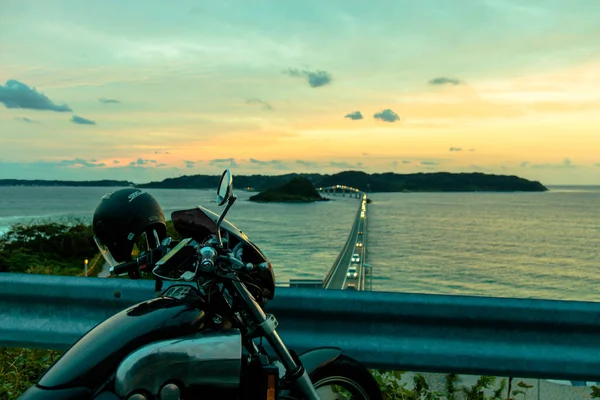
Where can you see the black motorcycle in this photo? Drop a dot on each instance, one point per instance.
(201, 339)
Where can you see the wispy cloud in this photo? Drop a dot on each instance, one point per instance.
(455, 149)
(442, 80)
(430, 163)
(219, 162)
(263, 103)
(80, 162)
(108, 101)
(565, 164)
(387, 116)
(141, 161)
(309, 164)
(25, 119)
(342, 164)
(189, 164)
(314, 78)
(15, 94)
(116, 162)
(354, 115)
(76, 119)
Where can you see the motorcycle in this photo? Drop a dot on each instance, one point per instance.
(198, 339)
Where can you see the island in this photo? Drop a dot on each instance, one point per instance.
(297, 190)
(377, 182)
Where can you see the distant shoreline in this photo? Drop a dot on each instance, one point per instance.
(373, 183)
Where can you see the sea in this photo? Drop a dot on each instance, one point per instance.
(525, 245)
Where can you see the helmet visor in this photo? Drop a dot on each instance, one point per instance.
(108, 257)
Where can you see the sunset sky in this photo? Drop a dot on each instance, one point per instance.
(144, 90)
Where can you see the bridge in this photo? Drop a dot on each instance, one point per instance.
(342, 190)
(349, 270)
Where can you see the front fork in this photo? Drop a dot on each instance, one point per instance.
(295, 370)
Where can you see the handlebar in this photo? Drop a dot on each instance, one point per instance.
(207, 256)
(124, 268)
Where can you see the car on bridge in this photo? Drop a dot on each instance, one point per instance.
(352, 273)
(355, 258)
(359, 233)
(359, 244)
(351, 287)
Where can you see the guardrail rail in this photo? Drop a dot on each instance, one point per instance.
(416, 332)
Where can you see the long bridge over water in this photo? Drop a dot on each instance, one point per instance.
(349, 271)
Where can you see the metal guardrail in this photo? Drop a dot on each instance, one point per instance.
(349, 240)
(415, 332)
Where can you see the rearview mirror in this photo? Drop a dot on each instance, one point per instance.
(225, 188)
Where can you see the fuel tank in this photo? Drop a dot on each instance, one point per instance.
(97, 355)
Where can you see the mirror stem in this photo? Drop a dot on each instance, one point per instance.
(222, 217)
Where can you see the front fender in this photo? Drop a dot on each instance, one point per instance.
(316, 358)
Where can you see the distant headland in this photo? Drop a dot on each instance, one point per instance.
(379, 182)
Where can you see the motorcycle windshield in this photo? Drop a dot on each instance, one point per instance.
(203, 223)
(199, 223)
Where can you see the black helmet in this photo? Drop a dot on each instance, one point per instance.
(124, 218)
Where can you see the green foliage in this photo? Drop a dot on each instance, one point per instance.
(393, 389)
(57, 248)
(595, 392)
(20, 368)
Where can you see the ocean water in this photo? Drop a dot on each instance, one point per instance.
(532, 245)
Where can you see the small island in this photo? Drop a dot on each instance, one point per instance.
(297, 190)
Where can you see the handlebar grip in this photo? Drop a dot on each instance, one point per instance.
(123, 268)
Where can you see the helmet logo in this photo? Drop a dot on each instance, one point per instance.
(106, 196)
(134, 195)
(130, 236)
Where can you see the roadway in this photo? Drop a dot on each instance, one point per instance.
(338, 278)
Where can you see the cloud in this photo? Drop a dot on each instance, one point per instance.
(310, 164)
(387, 115)
(161, 152)
(442, 80)
(108, 101)
(141, 161)
(116, 161)
(25, 119)
(471, 149)
(265, 105)
(76, 119)
(429, 163)
(81, 162)
(337, 164)
(394, 163)
(15, 94)
(354, 115)
(565, 164)
(189, 164)
(455, 149)
(597, 165)
(161, 165)
(219, 162)
(277, 164)
(314, 78)
(406, 162)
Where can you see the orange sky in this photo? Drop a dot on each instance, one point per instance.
(492, 86)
